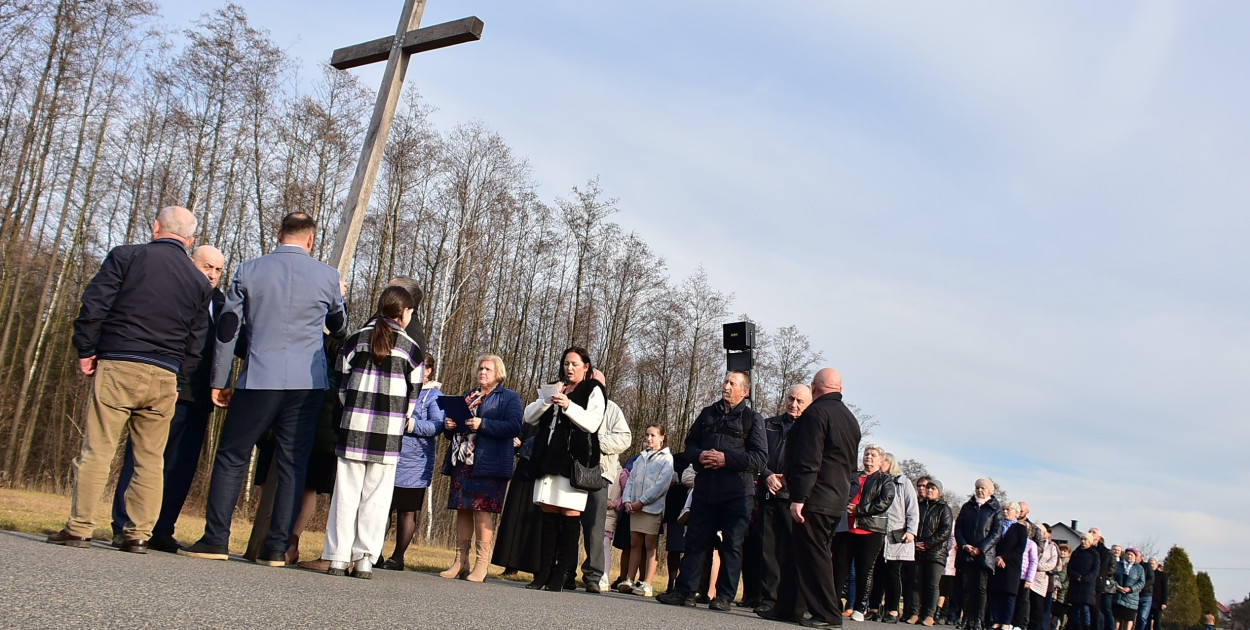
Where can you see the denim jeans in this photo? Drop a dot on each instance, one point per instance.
(293, 415)
(730, 517)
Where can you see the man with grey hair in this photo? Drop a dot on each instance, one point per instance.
(772, 521)
(614, 438)
(143, 322)
(186, 428)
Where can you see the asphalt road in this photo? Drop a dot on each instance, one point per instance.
(48, 586)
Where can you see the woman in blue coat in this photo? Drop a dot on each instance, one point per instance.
(479, 462)
(416, 465)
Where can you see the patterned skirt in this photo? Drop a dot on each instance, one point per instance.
(481, 494)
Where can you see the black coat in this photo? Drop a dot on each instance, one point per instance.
(979, 526)
(1010, 549)
(874, 501)
(148, 303)
(776, 429)
(196, 389)
(568, 441)
(1160, 590)
(819, 456)
(745, 451)
(934, 531)
(1083, 568)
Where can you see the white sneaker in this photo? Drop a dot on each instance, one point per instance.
(857, 616)
(625, 587)
(643, 589)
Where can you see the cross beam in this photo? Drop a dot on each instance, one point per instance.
(429, 38)
(409, 38)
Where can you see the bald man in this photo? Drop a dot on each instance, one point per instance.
(772, 521)
(143, 323)
(186, 428)
(819, 461)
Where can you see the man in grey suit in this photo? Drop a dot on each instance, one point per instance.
(285, 299)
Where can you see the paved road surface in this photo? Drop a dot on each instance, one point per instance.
(47, 586)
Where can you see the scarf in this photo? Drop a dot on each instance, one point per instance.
(462, 443)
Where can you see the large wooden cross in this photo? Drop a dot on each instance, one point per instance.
(395, 50)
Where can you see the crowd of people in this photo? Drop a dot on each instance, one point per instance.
(786, 506)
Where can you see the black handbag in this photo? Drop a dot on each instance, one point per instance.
(588, 478)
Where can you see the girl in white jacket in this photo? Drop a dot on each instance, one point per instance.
(644, 501)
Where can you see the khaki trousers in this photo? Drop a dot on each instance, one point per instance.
(141, 397)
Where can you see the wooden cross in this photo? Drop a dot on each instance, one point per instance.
(395, 50)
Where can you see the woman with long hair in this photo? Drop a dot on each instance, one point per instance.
(568, 424)
(380, 376)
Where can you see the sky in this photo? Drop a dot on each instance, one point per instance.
(1018, 229)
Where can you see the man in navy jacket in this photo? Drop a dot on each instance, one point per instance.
(728, 448)
(143, 320)
(186, 428)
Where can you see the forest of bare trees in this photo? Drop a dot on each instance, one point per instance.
(106, 116)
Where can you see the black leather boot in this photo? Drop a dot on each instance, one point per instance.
(566, 551)
(549, 534)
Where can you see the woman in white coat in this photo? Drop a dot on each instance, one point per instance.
(902, 520)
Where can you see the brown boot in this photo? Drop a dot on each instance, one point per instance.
(482, 565)
(460, 567)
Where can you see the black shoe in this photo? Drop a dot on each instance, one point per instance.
(720, 603)
(674, 598)
(818, 623)
(617, 583)
(271, 558)
(570, 583)
(762, 608)
(702, 599)
(391, 564)
(772, 615)
(890, 619)
(206, 551)
(118, 541)
(164, 542)
(872, 615)
(747, 603)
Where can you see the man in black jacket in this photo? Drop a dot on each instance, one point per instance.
(1159, 596)
(773, 500)
(727, 447)
(143, 321)
(819, 460)
(186, 428)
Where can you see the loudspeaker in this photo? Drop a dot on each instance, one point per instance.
(739, 336)
(739, 361)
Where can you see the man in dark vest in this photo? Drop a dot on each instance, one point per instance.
(727, 446)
